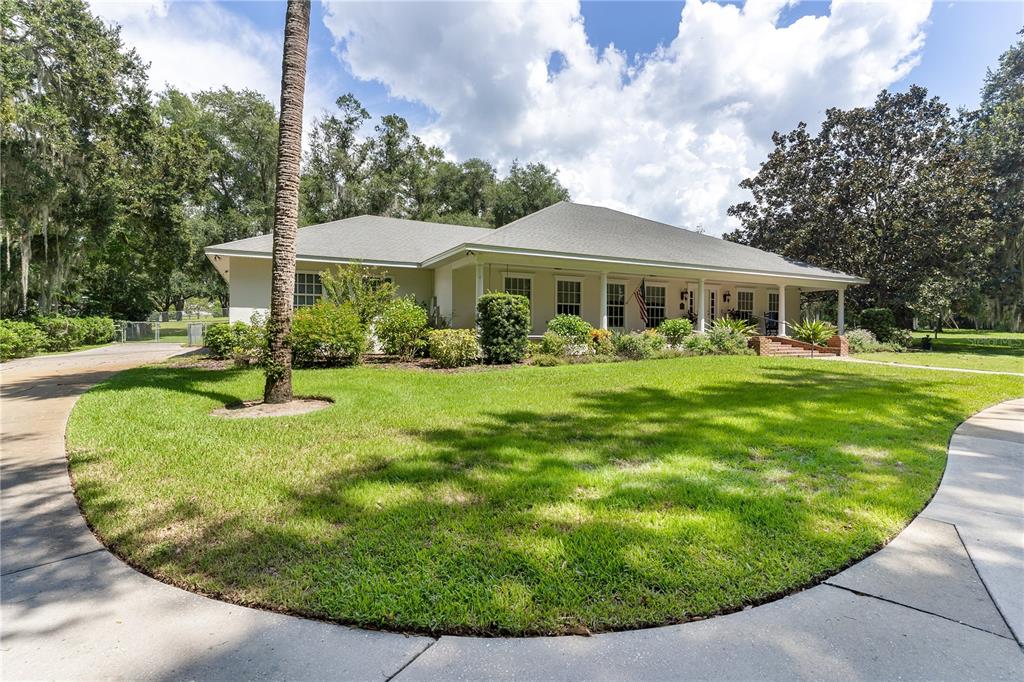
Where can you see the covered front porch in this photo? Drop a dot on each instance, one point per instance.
(605, 293)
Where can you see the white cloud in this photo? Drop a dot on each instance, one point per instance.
(667, 138)
(197, 45)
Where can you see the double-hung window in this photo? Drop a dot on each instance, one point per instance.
(521, 286)
(308, 289)
(773, 305)
(568, 297)
(616, 305)
(744, 304)
(654, 296)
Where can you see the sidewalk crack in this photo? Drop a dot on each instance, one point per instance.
(985, 585)
(914, 608)
(412, 660)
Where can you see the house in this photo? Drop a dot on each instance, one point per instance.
(567, 258)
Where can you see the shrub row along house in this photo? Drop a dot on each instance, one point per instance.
(617, 271)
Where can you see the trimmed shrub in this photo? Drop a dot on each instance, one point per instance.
(327, 334)
(20, 339)
(97, 329)
(633, 346)
(601, 342)
(453, 347)
(572, 327)
(861, 341)
(401, 328)
(901, 337)
(553, 343)
(504, 321)
(879, 321)
(544, 360)
(252, 341)
(220, 339)
(675, 329)
(698, 344)
(720, 339)
(817, 332)
(654, 340)
(62, 333)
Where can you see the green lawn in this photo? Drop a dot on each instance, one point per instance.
(530, 500)
(974, 337)
(992, 359)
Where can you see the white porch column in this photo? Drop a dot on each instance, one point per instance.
(479, 286)
(782, 310)
(700, 304)
(841, 312)
(604, 300)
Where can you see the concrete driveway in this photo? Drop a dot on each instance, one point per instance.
(942, 601)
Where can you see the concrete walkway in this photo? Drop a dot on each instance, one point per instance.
(942, 601)
(847, 358)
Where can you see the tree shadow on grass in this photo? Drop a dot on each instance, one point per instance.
(629, 507)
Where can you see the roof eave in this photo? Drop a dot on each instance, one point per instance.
(484, 248)
(331, 260)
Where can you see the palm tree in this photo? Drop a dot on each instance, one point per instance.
(286, 202)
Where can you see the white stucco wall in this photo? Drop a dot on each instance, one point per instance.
(249, 284)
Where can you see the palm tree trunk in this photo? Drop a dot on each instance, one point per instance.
(286, 202)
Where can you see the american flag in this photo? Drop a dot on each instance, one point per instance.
(641, 300)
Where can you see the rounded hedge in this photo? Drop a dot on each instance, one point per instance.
(327, 334)
(504, 322)
(401, 328)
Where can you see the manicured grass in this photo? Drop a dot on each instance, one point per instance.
(992, 359)
(530, 500)
(974, 337)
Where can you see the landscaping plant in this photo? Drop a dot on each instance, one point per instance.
(401, 328)
(601, 342)
(327, 334)
(453, 347)
(367, 289)
(573, 328)
(736, 324)
(861, 341)
(554, 344)
(20, 339)
(675, 329)
(817, 332)
(504, 322)
(879, 321)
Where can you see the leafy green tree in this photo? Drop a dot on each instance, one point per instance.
(332, 182)
(933, 301)
(73, 100)
(998, 141)
(525, 190)
(887, 192)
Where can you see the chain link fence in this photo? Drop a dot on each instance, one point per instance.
(173, 326)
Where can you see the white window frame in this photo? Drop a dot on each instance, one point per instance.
(740, 311)
(518, 275)
(579, 304)
(664, 302)
(625, 300)
(316, 294)
(769, 309)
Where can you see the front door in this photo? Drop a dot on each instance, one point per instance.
(711, 303)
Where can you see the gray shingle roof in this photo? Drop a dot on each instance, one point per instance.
(564, 229)
(365, 238)
(585, 230)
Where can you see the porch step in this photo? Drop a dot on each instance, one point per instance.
(785, 347)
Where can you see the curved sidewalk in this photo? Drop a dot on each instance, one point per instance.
(942, 601)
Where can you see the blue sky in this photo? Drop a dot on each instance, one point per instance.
(659, 108)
